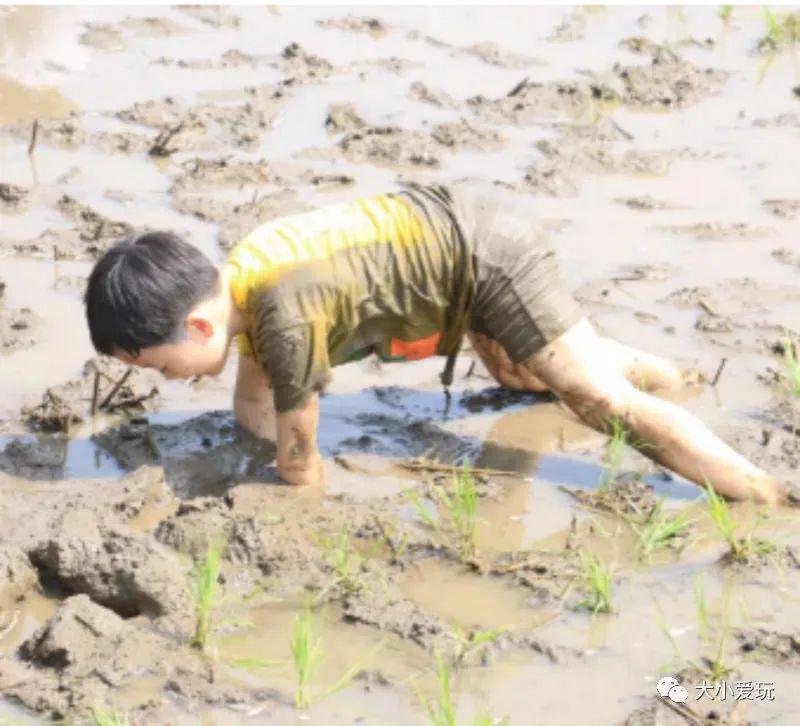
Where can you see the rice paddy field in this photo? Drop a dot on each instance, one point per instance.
(481, 558)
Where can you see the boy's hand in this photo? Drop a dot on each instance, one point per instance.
(299, 461)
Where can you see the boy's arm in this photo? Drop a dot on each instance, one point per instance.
(299, 460)
(253, 403)
(579, 371)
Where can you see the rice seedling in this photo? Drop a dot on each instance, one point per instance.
(791, 366)
(306, 653)
(598, 579)
(782, 31)
(703, 622)
(659, 530)
(726, 13)
(307, 656)
(345, 560)
(102, 717)
(440, 712)
(211, 610)
(476, 640)
(615, 452)
(741, 547)
(460, 508)
(204, 580)
(714, 663)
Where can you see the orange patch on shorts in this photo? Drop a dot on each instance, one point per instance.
(415, 349)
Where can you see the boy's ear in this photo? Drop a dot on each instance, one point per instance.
(199, 326)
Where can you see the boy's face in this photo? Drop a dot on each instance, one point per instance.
(200, 353)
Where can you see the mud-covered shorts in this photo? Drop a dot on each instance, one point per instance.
(520, 298)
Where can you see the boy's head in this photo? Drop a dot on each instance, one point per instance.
(153, 301)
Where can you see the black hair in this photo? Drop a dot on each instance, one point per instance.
(141, 290)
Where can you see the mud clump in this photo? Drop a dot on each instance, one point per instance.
(787, 256)
(391, 146)
(215, 16)
(498, 398)
(229, 59)
(719, 231)
(63, 133)
(117, 567)
(784, 208)
(301, 66)
(202, 456)
(97, 231)
(237, 219)
(91, 235)
(488, 52)
(355, 24)
(632, 498)
(561, 169)
(640, 45)
(111, 37)
(571, 29)
(420, 92)
(462, 134)
(765, 554)
(17, 575)
(17, 329)
(644, 203)
(547, 575)
(206, 127)
(343, 118)
(42, 458)
(86, 653)
(770, 647)
(123, 142)
(398, 616)
(13, 198)
(209, 174)
(529, 102)
(668, 82)
(105, 384)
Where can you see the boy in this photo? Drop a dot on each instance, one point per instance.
(404, 275)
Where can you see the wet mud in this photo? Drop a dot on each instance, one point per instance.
(105, 384)
(634, 136)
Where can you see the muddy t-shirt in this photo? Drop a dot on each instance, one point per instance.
(388, 274)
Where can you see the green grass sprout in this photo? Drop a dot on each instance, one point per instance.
(103, 717)
(791, 366)
(598, 579)
(307, 656)
(459, 506)
(741, 547)
(204, 585)
(347, 562)
(440, 712)
(659, 530)
(615, 452)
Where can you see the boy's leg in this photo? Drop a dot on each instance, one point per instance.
(645, 371)
(580, 371)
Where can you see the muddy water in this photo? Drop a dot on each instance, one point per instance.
(630, 242)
